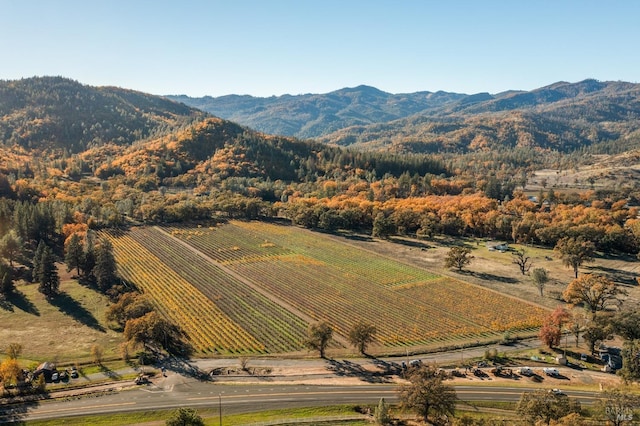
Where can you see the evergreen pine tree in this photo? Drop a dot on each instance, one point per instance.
(74, 254)
(49, 279)
(105, 269)
(6, 279)
(89, 257)
(36, 271)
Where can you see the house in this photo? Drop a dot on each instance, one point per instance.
(47, 369)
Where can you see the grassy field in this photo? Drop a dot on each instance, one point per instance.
(210, 417)
(265, 282)
(62, 330)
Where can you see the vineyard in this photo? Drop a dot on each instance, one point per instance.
(251, 287)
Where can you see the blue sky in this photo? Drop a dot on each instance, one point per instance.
(275, 47)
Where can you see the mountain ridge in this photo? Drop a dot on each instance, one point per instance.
(561, 115)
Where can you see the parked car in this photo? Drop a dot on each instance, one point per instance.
(526, 371)
(551, 371)
(55, 377)
(583, 357)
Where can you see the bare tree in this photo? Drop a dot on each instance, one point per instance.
(521, 259)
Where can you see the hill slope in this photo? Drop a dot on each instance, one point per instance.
(55, 112)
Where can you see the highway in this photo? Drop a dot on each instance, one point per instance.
(238, 398)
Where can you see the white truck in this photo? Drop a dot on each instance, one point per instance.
(549, 371)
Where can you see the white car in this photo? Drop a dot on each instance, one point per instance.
(558, 392)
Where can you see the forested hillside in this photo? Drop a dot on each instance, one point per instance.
(562, 116)
(198, 167)
(55, 112)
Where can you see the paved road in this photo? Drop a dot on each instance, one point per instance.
(237, 398)
(250, 393)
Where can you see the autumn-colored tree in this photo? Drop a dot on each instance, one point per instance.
(129, 306)
(560, 316)
(153, 330)
(596, 292)
(550, 334)
(361, 335)
(575, 251)
(10, 372)
(318, 337)
(458, 257)
(551, 330)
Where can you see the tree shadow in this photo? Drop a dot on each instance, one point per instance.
(69, 306)
(490, 277)
(355, 237)
(410, 243)
(347, 368)
(16, 413)
(113, 375)
(182, 366)
(389, 368)
(620, 276)
(20, 301)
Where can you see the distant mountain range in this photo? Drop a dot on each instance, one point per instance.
(563, 116)
(59, 113)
